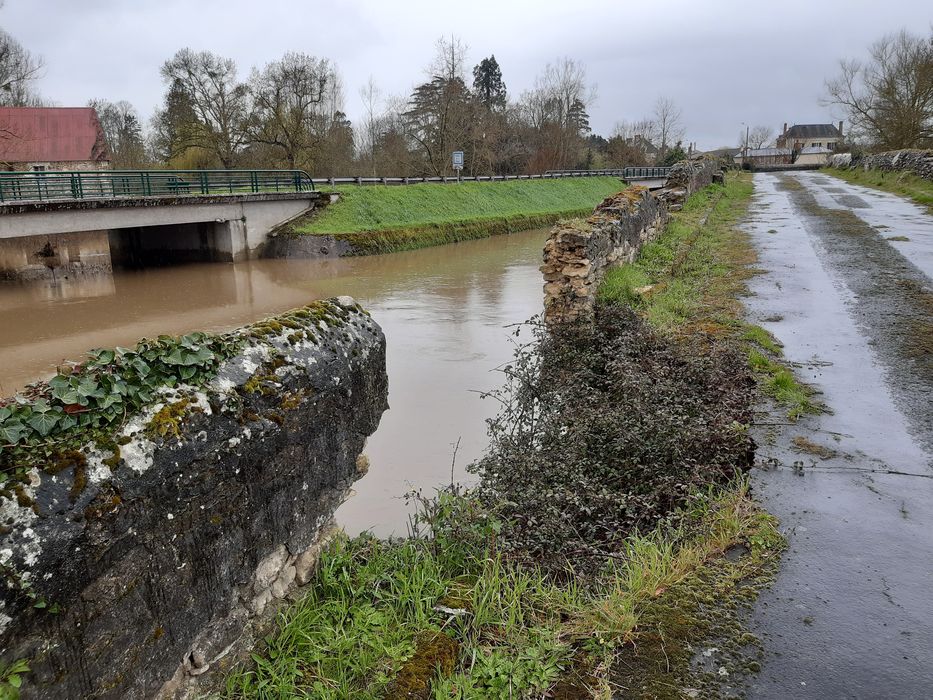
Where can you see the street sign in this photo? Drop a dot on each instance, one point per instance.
(458, 160)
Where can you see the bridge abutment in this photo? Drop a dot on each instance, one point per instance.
(40, 257)
(41, 239)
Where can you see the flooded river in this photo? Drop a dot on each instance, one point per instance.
(444, 312)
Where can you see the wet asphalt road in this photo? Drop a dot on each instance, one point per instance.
(850, 614)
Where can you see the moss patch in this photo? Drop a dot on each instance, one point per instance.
(166, 421)
(435, 655)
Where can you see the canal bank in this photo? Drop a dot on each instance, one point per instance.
(383, 219)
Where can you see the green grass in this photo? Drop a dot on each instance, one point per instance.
(688, 273)
(377, 219)
(370, 623)
(690, 278)
(905, 184)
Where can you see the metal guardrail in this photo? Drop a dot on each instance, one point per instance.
(649, 173)
(633, 173)
(108, 184)
(625, 173)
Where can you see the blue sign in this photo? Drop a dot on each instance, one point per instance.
(458, 160)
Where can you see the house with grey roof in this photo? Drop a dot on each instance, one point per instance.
(801, 136)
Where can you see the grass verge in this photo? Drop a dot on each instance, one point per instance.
(381, 219)
(690, 280)
(905, 184)
(448, 617)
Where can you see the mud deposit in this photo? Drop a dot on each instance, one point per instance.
(850, 615)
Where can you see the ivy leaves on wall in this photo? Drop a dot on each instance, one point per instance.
(108, 386)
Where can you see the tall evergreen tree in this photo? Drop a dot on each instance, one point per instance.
(488, 85)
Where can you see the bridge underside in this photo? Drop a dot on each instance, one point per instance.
(39, 241)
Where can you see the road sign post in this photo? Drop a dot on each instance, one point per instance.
(458, 163)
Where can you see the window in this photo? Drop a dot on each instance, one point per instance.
(38, 168)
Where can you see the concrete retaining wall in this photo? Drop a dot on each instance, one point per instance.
(577, 255)
(61, 254)
(162, 561)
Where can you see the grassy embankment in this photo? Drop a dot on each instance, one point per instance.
(905, 184)
(690, 280)
(383, 219)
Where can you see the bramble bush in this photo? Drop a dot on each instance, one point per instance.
(605, 430)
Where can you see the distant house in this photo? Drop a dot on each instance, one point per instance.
(758, 157)
(52, 138)
(644, 146)
(801, 136)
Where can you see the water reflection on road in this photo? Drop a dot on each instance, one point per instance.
(444, 311)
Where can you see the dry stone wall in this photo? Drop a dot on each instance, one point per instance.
(578, 253)
(918, 162)
(154, 563)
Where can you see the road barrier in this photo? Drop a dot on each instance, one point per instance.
(110, 184)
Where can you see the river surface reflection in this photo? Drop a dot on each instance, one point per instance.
(444, 312)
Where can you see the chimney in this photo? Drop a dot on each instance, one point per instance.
(840, 128)
(785, 129)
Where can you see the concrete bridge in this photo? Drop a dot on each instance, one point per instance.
(90, 221)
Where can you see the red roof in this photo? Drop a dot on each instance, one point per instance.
(50, 134)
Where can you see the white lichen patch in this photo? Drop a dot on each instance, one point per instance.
(97, 471)
(138, 453)
(15, 516)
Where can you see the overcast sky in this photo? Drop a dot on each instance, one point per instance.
(724, 62)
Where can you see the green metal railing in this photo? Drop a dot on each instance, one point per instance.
(108, 184)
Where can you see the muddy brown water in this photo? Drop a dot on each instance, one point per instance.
(444, 310)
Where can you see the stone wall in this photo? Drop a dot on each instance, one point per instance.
(686, 177)
(154, 558)
(577, 254)
(919, 163)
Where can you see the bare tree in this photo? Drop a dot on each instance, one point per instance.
(757, 137)
(556, 111)
(123, 132)
(19, 69)
(889, 97)
(368, 133)
(439, 110)
(294, 102)
(219, 101)
(669, 120)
